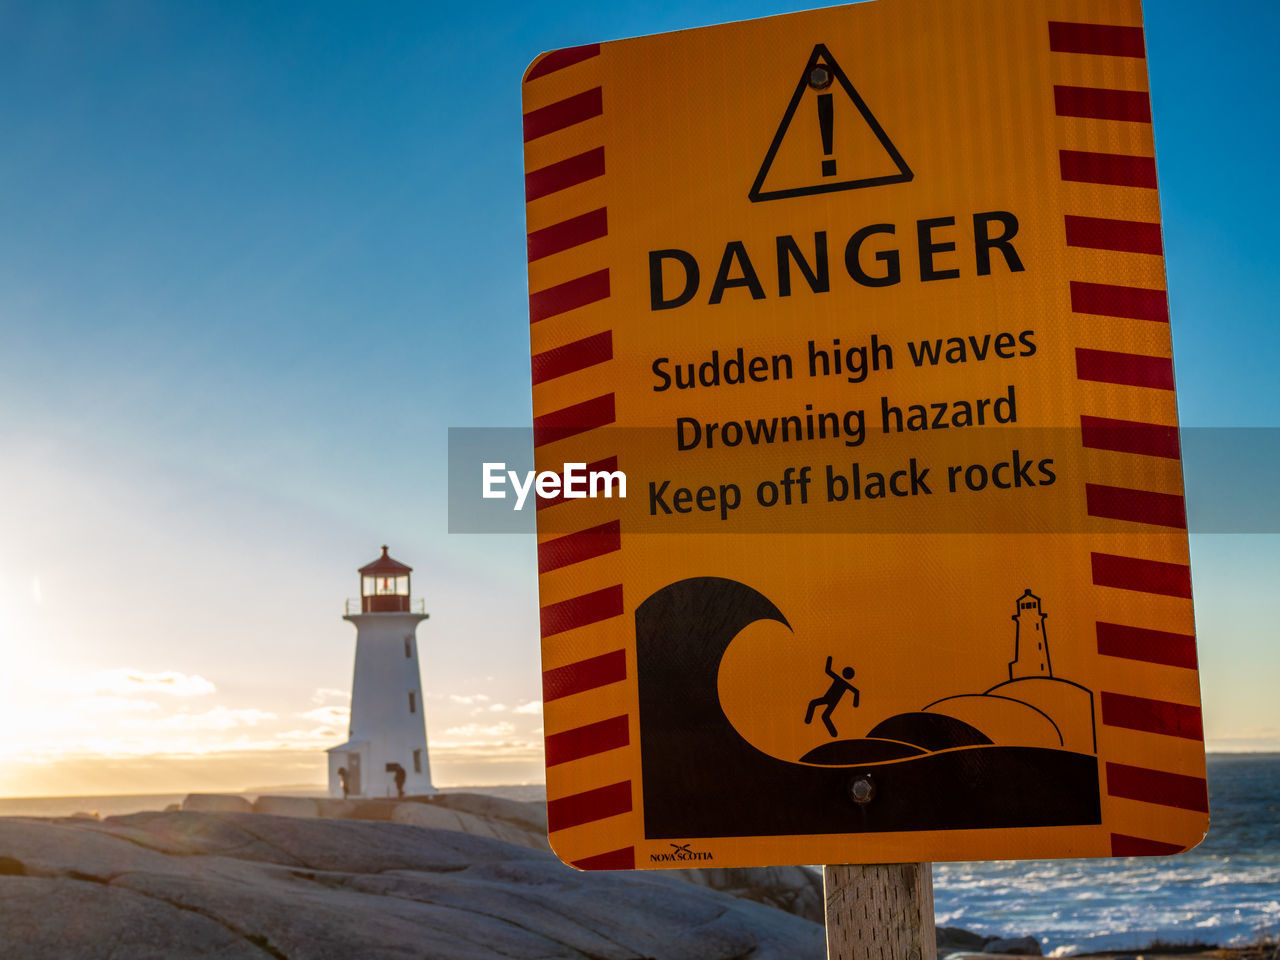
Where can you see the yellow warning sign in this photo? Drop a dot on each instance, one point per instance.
(863, 309)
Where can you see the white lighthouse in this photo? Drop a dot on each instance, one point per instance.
(386, 753)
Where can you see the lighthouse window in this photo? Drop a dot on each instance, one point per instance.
(413, 702)
(408, 647)
(417, 761)
(385, 586)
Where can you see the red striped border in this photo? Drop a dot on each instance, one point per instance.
(607, 465)
(573, 420)
(589, 740)
(584, 675)
(1136, 506)
(585, 739)
(1096, 38)
(1143, 576)
(581, 611)
(572, 357)
(559, 59)
(1111, 300)
(1152, 716)
(1122, 710)
(1157, 786)
(1129, 369)
(1125, 236)
(589, 806)
(568, 234)
(1150, 646)
(1081, 166)
(577, 547)
(1126, 846)
(563, 113)
(1130, 436)
(564, 174)
(569, 295)
(624, 859)
(1096, 103)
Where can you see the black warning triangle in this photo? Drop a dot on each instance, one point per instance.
(891, 169)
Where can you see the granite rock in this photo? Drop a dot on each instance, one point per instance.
(217, 803)
(287, 806)
(232, 885)
(954, 939)
(1015, 947)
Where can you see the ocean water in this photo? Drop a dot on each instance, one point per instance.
(1224, 892)
(109, 806)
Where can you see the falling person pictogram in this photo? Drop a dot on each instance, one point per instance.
(840, 685)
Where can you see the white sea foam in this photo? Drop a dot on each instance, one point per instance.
(1222, 892)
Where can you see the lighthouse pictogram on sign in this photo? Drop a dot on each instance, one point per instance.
(1028, 661)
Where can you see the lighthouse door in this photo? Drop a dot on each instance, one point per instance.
(353, 775)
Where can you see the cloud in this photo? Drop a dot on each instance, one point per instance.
(125, 682)
(330, 716)
(99, 705)
(219, 718)
(486, 752)
(474, 698)
(532, 707)
(473, 730)
(1255, 733)
(136, 728)
(498, 708)
(223, 733)
(316, 739)
(324, 694)
(1268, 741)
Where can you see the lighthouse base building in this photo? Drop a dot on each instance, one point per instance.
(386, 751)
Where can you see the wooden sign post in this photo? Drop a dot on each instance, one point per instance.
(880, 911)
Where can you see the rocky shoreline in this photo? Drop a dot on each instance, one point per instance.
(458, 877)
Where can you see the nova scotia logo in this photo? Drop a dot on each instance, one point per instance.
(680, 852)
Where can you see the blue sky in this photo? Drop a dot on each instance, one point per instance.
(256, 260)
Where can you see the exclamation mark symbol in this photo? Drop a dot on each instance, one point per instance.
(826, 124)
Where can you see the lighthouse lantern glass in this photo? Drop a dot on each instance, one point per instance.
(385, 586)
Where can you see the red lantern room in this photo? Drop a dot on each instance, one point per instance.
(384, 586)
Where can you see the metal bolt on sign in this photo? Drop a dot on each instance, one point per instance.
(862, 790)
(820, 78)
